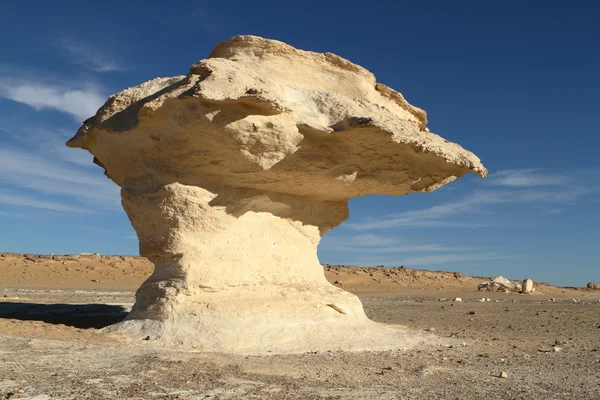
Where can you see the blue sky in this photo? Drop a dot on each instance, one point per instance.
(516, 82)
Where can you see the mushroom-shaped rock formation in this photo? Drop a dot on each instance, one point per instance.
(231, 175)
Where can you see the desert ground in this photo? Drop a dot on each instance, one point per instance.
(547, 344)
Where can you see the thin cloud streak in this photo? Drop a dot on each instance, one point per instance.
(80, 102)
(45, 175)
(12, 215)
(22, 200)
(365, 240)
(370, 243)
(528, 178)
(400, 249)
(434, 259)
(559, 189)
(51, 143)
(87, 56)
(448, 258)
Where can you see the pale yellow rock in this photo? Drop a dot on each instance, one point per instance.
(232, 174)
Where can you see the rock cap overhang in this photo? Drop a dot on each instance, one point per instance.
(258, 114)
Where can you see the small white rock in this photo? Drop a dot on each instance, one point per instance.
(527, 286)
(457, 300)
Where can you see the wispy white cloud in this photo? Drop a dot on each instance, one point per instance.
(528, 178)
(25, 200)
(435, 259)
(369, 243)
(364, 240)
(531, 186)
(47, 176)
(50, 142)
(80, 101)
(92, 57)
(13, 214)
(38, 169)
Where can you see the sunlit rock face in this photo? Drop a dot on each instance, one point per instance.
(231, 175)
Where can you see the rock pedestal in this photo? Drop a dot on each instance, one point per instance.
(231, 175)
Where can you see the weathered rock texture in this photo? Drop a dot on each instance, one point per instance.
(527, 286)
(500, 283)
(232, 174)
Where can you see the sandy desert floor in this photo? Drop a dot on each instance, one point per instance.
(50, 346)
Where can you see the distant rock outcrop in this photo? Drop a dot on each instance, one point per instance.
(232, 174)
(593, 285)
(500, 283)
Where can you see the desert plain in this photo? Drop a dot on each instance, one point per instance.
(544, 345)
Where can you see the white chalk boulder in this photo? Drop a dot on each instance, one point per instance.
(527, 286)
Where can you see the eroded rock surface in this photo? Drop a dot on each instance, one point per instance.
(527, 286)
(500, 283)
(231, 175)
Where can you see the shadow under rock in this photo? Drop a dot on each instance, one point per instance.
(77, 315)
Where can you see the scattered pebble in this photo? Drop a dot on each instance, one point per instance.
(503, 374)
(457, 300)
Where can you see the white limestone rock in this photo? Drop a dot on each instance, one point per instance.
(527, 286)
(500, 283)
(231, 175)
